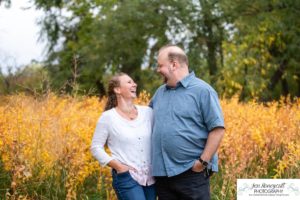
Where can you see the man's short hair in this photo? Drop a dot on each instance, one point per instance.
(179, 56)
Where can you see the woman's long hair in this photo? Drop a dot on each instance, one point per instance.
(112, 97)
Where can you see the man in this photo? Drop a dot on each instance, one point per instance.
(187, 130)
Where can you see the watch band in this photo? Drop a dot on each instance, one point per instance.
(203, 162)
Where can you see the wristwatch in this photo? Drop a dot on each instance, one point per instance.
(203, 162)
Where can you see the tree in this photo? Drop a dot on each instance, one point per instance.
(262, 57)
(104, 37)
(110, 36)
(249, 48)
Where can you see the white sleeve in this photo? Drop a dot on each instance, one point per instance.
(99, 140)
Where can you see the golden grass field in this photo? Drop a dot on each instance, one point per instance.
(44, 146)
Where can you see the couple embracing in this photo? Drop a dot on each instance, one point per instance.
(169, 148)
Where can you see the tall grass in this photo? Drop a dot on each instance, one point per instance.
(44, 146)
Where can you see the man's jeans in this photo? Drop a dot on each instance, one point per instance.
(127, 188)
(187, 185)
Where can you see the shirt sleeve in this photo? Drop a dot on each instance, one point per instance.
(211, 109)
(99, 140)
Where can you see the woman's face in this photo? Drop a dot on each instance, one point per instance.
(127, 88)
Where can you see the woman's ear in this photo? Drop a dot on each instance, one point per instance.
(117, 90)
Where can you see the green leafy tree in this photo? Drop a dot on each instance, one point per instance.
(103, 37)
(263, 55)
(99, 38)
(240, 47)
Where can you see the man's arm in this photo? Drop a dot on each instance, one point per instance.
(213, 142)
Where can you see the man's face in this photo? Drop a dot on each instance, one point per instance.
(164, 67)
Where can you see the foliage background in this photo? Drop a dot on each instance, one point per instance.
(45, 142)
(249, 49)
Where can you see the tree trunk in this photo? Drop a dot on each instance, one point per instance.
(244, 89)
(100, 88)
(211, 46)
(211, 41)
(277, 75)
(285, 87)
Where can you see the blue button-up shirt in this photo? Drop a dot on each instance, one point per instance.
(183, 118)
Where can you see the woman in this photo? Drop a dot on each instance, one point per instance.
(126, 129)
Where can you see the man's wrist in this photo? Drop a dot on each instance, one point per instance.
(203, 162)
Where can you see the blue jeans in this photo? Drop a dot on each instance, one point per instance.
(127, 188)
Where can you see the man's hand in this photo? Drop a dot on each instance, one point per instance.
(198, 167)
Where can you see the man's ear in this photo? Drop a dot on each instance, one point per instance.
(117, 90)
(175, 64)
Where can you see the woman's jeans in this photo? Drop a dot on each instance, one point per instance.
(127, 188)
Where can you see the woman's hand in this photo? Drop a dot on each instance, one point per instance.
(198, 167)
(120, 167)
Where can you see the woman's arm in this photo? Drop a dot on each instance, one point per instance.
(97, 148)
(99, 140)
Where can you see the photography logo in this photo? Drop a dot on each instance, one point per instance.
(273, 189)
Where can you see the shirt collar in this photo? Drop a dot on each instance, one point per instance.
(186, 80)
(183, 82)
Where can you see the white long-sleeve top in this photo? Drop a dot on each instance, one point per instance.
(128, 140)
